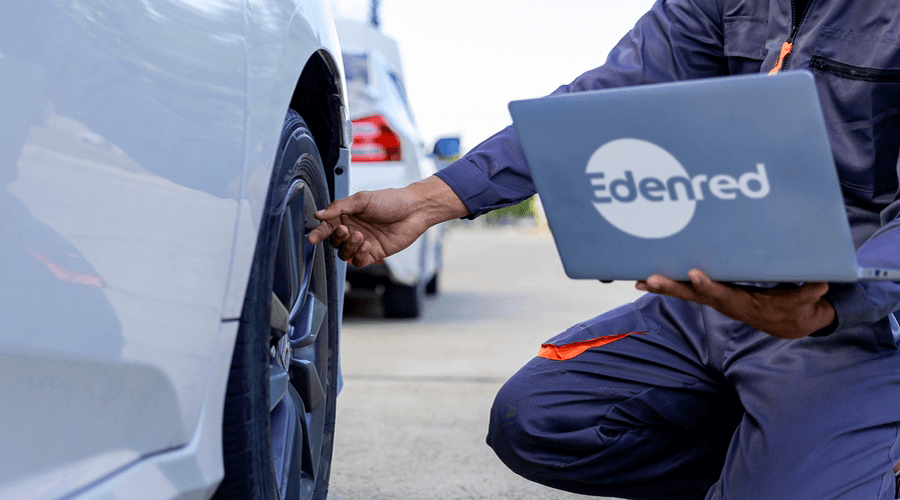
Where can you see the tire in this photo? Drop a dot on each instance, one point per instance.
(401, 301)
(278, 425)
(432, 287)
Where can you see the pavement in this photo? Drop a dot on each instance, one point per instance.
(413, 413)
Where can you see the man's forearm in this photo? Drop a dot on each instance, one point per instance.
(437, 200)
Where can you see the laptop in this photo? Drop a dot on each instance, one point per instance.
(733, 176)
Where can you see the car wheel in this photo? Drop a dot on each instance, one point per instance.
(432, 287)
(402, 301)
(278, 425)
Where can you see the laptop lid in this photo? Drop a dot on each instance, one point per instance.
(733, 176)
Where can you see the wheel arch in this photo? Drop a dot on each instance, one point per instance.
(318, 97)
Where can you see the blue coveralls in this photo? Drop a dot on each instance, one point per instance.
(694, 404)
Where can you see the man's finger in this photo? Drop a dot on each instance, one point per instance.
(664, 286)
(340, 236)
(351, 245)
(363, 256)
(814, 291)
(352, 205)
(713, 293)
(321, 232)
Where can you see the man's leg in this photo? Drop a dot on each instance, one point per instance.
(644, 416)
(822, 416)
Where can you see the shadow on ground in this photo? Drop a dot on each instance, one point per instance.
(446, 307)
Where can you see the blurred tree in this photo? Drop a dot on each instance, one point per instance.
(512, 214)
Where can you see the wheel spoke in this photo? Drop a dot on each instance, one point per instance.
(287, 281)
(294, 480)
(311, 319)
(309, 257)
(312, 428)
(307, 382)
(279, 316)
(308, 253)
(288, 428)
(278, 384)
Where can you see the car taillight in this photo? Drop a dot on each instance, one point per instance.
(373, 140)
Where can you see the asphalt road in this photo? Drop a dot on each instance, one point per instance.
(413, 412)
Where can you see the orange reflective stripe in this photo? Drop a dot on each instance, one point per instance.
(785, 50)
(569, 351)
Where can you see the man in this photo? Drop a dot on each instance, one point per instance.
(701, 389)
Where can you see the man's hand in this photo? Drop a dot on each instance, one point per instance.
(786, 314)
(371, 225)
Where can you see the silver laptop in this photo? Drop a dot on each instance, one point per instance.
(733, 176)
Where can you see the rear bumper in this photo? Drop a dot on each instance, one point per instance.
(404, 268)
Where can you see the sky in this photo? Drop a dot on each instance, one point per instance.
(466, 59)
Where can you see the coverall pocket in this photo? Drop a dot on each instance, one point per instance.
(859, 84)
(602, 330)
(856, 56)
(745, 43)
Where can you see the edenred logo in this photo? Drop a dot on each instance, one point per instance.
(641, 189)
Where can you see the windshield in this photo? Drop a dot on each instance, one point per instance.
(356, 68)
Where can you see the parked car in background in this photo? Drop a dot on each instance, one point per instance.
(446, 150)
(166, 331)
(387, 152)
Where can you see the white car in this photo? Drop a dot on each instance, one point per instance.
(165, 329)
(387, 152)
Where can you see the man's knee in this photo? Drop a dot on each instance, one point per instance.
(537, 425)
(507, 431)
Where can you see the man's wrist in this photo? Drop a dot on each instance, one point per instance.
(437, 201)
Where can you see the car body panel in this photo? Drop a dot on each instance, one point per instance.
(189, 471)
(132, 137)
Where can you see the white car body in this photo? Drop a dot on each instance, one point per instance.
(383, 94)
(136, 145)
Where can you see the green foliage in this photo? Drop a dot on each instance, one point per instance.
(524, 209)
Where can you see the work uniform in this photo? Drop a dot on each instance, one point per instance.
(664, 398)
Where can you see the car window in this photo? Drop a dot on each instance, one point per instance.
(356, 68)
(399, 85)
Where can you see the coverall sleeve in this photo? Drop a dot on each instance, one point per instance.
(675, 40)
(869, 302)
